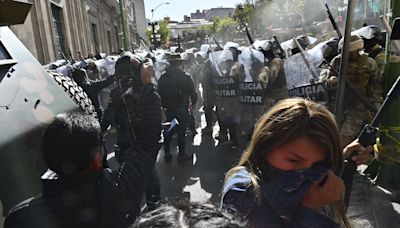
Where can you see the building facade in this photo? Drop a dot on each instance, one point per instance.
(198, 15)
(55, 28)
(140, 17)
(220, 12)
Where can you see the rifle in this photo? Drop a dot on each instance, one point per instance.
(308, 65)
(62, 54)
(278, 44)
(251, 40)
(217, 43)
(70, 57)
(367, 137)
(333, 22)
(144, 45)
(131, 131)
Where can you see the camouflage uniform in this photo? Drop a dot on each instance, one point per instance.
(276, 88)
(363, 74)
(378, 54)
(208, 94)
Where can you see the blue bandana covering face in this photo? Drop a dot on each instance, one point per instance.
(281, 196)
(284, 190)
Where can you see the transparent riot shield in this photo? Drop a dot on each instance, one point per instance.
(106, 66)
(302, 75)
(225, 87)
(252, 78)
(225, 83)
(160, 65)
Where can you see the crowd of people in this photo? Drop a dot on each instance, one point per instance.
(294, 151)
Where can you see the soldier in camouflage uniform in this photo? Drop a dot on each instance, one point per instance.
(208, 96)
(274, 76)
(362, 72)
(372, 37)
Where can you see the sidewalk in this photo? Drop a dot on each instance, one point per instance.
(371, 205)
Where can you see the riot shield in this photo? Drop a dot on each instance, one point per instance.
(65, 70)
(106, 66)
(225, 83)
(251, 88)
(225, 88)
(299, 77)
(251, 62)
(160, 65)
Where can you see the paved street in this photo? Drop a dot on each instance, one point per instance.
(198, 180)
(202, 178)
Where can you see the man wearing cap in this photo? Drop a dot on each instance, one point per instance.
(362, 72)
(178, 97)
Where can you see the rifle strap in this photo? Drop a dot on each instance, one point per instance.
(375, 52)
(388, 152)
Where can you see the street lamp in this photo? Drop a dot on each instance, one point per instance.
(154, 26)
(155, 36)
(154, 9)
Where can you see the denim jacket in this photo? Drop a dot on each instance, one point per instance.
(280, 201)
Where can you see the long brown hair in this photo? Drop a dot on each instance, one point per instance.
(284, 122)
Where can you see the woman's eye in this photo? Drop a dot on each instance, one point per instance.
(293, 160)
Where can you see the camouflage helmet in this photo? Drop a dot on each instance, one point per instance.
(356, 43)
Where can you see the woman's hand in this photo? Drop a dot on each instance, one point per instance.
(329, 189)
(147, 71)
(364, 153)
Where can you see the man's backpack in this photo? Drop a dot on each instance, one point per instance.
(171, 90)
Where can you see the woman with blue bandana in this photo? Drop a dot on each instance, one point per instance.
(289, 174)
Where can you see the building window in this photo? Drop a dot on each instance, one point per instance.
(117, 38)
(109, 42)
(94, 35)
(58, 29)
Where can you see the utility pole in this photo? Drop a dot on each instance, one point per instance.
(344, 63)
(123, 23)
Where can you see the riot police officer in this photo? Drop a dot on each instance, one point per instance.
(275, 80)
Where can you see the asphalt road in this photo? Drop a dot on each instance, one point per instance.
(200, 179)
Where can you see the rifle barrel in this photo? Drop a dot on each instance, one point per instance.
(393, 93)
(333, 22)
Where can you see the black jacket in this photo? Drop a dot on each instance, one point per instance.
(103, 199)
(93, 88)
(184, 83)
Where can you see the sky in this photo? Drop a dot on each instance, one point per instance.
(177, 8)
